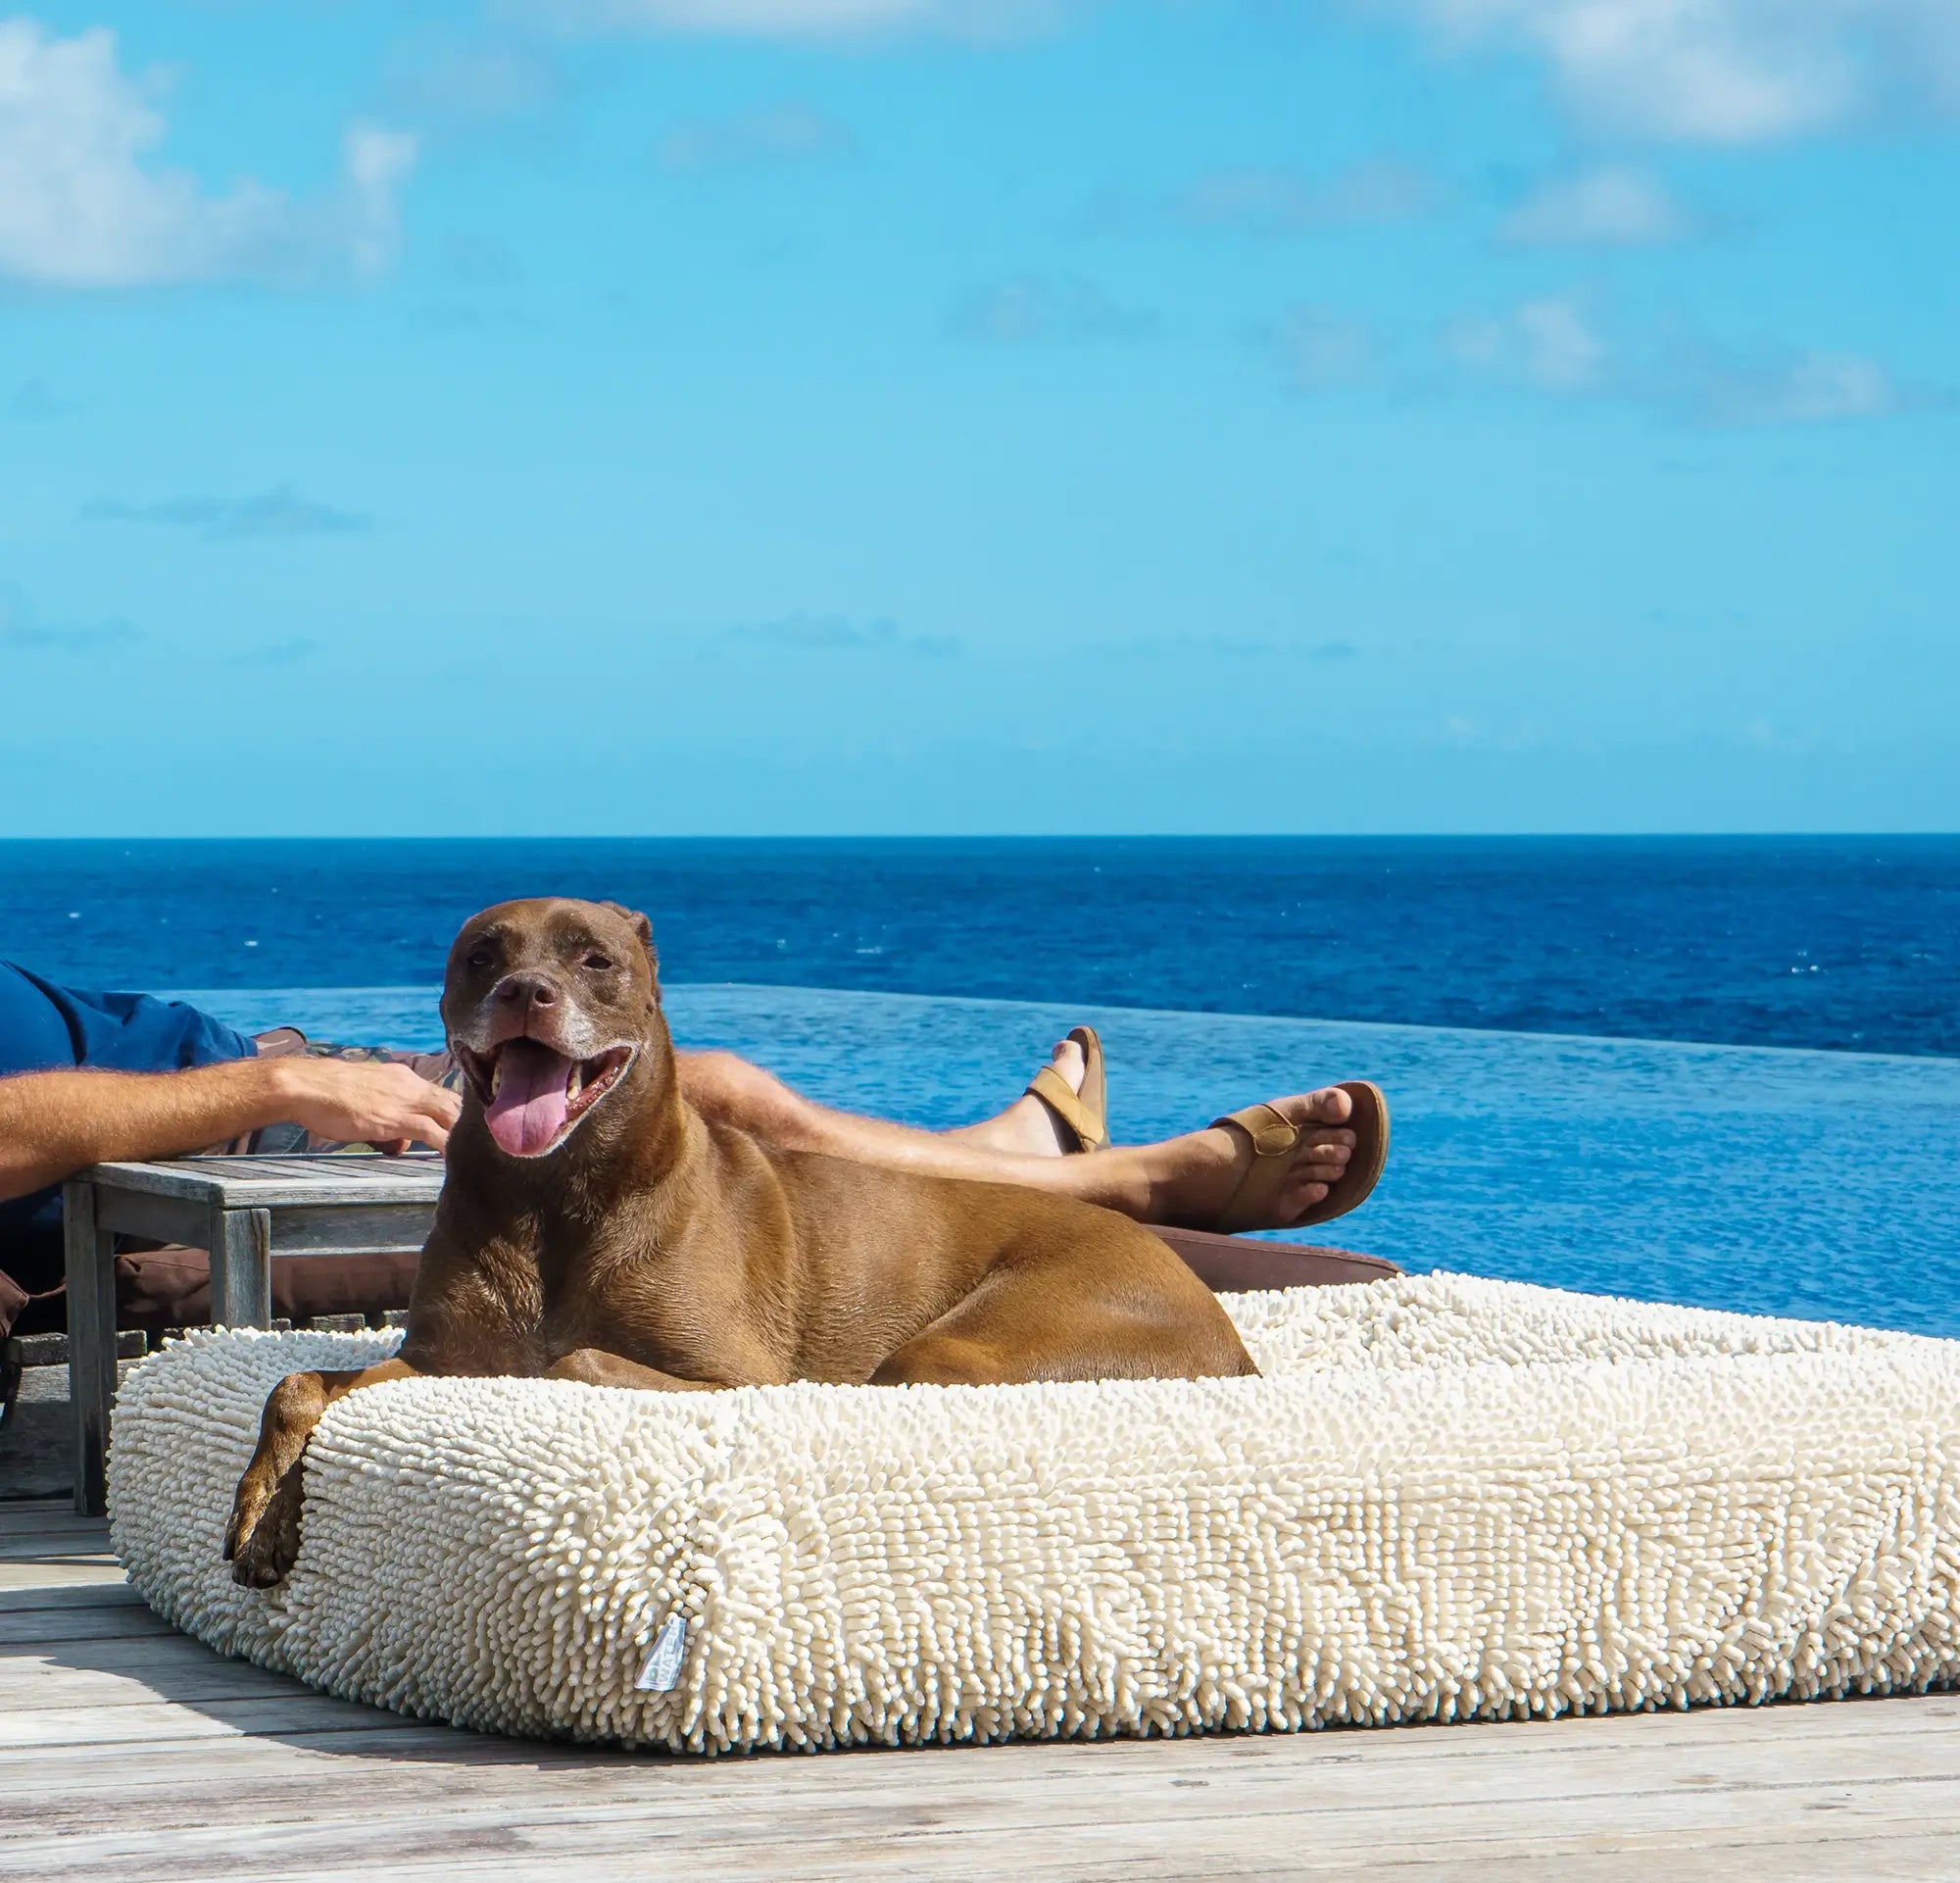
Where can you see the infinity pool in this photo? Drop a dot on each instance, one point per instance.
(1817, 1184)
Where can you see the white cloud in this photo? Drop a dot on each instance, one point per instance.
(21, 631)
(1321, 347)
(1556, 344)
(1810, 388)
(278, 512)
(377, 163)
(1611, 207)
(450, 84)
(1283, 202)
(779, 134)
(1031, 307)
(1732, 71)
(807, 634)
(1548, 342)
(82, 205)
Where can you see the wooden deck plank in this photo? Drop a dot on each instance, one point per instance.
(1299, 1831)
(425, 1755)
(1040, 1783)
(42, 1627)
(49, 1535)
(55, 1549)
(94, 1592)
(1856, 1862)
(80, 1533)
(33, 1512)
(153, 1722)
(838, 1826)
(37, 1575)
(51, 1690)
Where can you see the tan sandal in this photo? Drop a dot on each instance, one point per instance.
(1273, 1139)
(1084, 1114)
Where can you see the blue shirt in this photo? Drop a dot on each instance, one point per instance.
(44, 1027)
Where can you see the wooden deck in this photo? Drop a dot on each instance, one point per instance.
(129, 1751)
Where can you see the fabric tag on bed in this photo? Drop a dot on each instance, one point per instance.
(661, 1674)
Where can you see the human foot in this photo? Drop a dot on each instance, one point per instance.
(1206, 1179)
(1029, 1127)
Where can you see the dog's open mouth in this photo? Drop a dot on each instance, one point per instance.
(533, 1098)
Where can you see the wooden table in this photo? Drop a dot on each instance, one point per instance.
(245, 1211)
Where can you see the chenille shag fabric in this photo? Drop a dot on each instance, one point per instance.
(1447, 1498)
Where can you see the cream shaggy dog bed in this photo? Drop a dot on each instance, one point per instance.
(1448, 1499)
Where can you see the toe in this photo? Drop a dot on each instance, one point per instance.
(1067, 1060)
(256, 1571)
(1330, 1106)
(246, 1509)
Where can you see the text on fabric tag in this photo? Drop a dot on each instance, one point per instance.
(661, 1674)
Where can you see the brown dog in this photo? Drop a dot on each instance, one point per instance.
(594, 1227)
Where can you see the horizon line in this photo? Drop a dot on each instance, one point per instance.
(1007, 836)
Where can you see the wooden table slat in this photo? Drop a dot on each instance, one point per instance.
(266, 1182)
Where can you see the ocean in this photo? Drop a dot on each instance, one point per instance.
(1849, 943)
(1725, 1072)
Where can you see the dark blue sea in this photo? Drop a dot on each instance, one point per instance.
(1841, 943)
(1724, 1072)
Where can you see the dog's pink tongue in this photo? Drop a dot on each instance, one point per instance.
(531, 1103)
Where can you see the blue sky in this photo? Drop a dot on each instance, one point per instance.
(784, 416)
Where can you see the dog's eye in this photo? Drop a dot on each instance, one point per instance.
(479, 958)
(598, 962)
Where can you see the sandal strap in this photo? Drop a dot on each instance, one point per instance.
(1272, 1133)
(1273, 1137)
(1091, 1132)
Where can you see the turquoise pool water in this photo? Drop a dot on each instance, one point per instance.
(1818, 1184)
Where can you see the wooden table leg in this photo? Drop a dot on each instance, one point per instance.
(92, 1344)
(241, 1268)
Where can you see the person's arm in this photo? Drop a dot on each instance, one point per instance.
(53, 1123)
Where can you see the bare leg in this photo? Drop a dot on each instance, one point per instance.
(1184, 1180)
(1027, 1126)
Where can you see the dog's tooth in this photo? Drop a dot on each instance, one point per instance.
(577, 1084)
(496, 1074)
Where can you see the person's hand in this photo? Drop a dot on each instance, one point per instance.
(364, 1100)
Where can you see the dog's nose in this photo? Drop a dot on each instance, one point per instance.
(526, 990)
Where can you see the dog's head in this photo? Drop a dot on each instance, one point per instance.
(550, 1007)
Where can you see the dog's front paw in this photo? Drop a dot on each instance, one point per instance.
(262, 1542)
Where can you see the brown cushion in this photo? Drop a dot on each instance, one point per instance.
(1237, 1264)
(171, 1287)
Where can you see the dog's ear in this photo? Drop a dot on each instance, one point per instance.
(640, 926)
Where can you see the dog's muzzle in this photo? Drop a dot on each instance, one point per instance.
(535, 1097)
